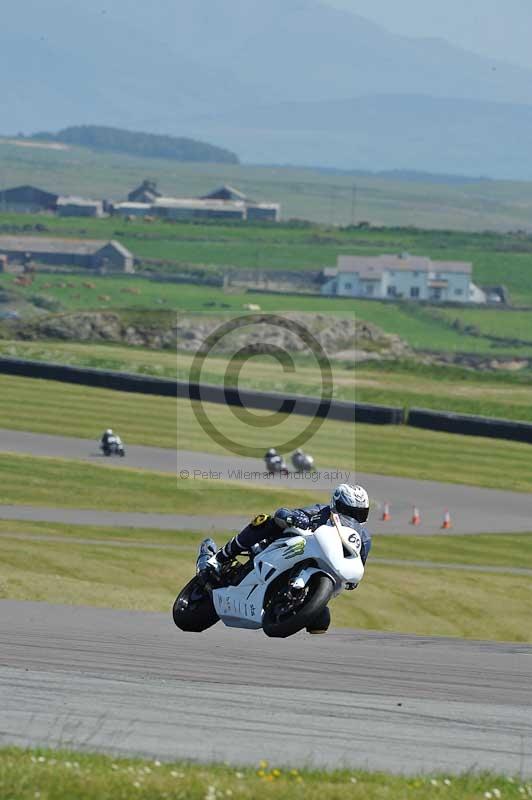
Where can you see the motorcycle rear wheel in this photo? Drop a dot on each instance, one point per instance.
(193, 610)
(280, 621)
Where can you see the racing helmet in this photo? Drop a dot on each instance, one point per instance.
(351, 501)
(298, 452)
(271, 452)
(109, 432)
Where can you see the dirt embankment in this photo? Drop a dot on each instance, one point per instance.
(339, 338)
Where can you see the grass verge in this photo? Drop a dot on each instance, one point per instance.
(62, 483)
(490, 549)
(62, 775)
(48, 407)
(405, 384)
(431, 602)
(422, 327)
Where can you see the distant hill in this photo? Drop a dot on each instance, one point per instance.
(148, 145)
(410, 132)
(195, 68)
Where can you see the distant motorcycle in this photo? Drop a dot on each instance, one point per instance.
(302, 462)
(113, 447)
(283, 588)
(276, 465)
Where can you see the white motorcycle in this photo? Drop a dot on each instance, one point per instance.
(283, 588)
(302, 462)
(113, 447)
(276, 465)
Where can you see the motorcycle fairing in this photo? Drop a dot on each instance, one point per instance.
(242, 606)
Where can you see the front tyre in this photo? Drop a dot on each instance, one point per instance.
(193, 610)
(285, 615)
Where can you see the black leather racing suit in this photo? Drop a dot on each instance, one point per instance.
(272, 527)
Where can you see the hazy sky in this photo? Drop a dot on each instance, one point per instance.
(497, 28)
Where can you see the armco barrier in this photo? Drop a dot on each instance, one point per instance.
(126, 382)
(470, 425)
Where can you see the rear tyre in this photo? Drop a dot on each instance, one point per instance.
(284, 617)
(193, 610)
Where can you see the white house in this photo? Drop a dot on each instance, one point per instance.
(402, 277)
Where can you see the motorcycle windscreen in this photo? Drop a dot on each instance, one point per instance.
(347, 527)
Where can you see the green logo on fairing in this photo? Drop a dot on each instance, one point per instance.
(296, 549)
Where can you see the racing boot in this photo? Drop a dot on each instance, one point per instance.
(206, 562)
(320, 623)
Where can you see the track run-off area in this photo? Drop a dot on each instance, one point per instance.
(473, 509)
(131, 683)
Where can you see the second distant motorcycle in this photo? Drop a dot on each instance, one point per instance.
(302, 462)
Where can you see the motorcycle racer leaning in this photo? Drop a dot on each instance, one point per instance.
(351, 503)
(108, 434)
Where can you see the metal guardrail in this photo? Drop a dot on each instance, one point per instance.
(145, 384)
(294, 404)
(470, 425)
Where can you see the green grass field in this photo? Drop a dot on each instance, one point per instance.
(36, 565)
(405, 385)
(304, 193)
(422, 327)
(62, 483)
(48, 407)
(64, 775)
(491, 322)
(463, 549)
(496, 258)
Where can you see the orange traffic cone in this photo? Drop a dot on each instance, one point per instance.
(386, 516)
(416, 517)
(446, 521)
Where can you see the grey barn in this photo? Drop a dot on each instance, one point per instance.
(27, 199)
(86, 253)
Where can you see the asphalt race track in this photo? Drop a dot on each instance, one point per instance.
(473, 510)
(130, 682)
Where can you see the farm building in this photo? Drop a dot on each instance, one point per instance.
(86, 253)
(226, 192)
(263, 211)
(27, 199)
(79, 207)
(254, 210)
(132, 209)
(224, 203)
(184, 208)
(402, 277)
(147, 192)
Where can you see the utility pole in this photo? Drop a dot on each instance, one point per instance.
(332, 198)
(353, 204)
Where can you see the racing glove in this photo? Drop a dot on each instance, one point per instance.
(287, 518)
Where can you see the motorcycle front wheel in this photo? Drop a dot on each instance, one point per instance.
(193, 609)
(285, 615)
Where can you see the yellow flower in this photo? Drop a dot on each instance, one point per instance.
(276, 773)
(260, 773)
(263, 764)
